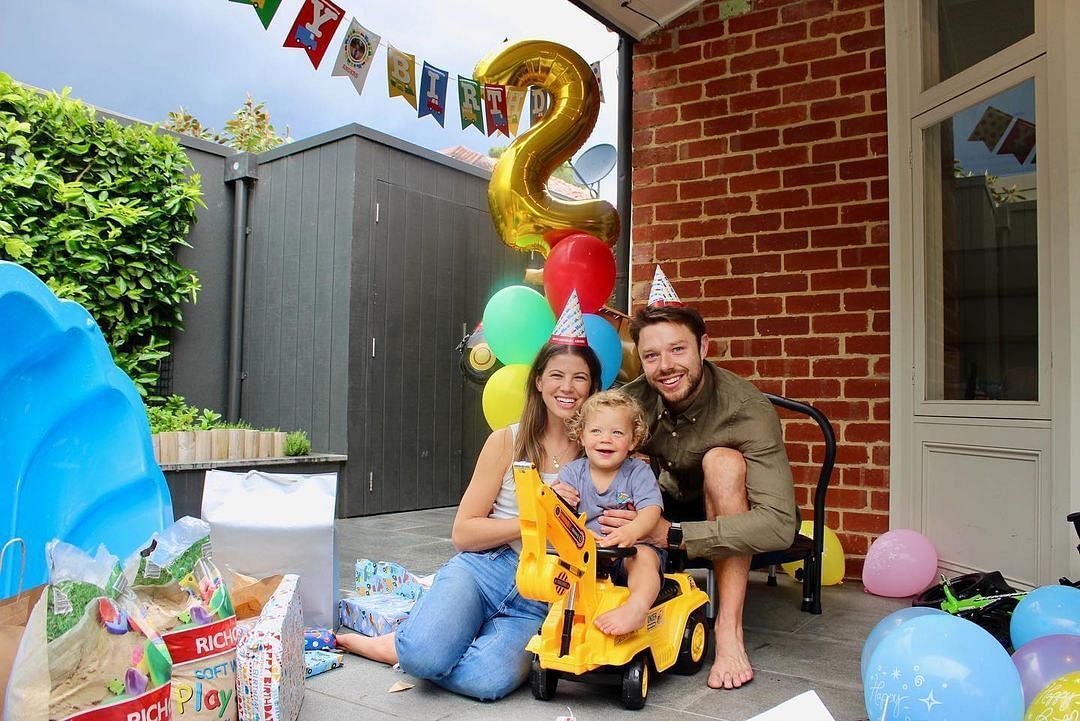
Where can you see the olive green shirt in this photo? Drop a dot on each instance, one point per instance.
(729, 412)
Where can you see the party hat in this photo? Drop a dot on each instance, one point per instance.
(570, 329)
(661, 293)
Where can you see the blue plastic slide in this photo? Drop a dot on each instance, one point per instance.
(76, 461)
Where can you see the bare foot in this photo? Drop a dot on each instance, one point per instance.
(625, 619)
(377, 648)
(731, 669)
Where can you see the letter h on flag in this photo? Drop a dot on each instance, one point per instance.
(433, 98)
(313, 28)
(495, 106)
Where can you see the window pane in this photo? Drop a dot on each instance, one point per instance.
(981, 251)
(959, 33)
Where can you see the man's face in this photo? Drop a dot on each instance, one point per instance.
(671, 360)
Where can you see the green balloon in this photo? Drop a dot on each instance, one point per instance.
(517, 323)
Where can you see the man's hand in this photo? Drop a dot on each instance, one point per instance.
(567, 492)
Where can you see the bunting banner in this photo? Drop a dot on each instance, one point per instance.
(538, 104)
(266, 9)
(1020, 141)
(401, 74)
(515, 103)
(495, 107)
(314, 27)
(433, 101)
(991, 127)
(357, 52)
(596, 74)
(469, 101)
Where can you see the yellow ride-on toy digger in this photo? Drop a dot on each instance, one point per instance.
(675, 631)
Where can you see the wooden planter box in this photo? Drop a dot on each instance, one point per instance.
(219, 444)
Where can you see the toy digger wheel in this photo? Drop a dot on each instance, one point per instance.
(543, 681)
(635, 683)
(692, 650)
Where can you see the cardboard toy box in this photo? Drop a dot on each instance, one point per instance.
(385, 593)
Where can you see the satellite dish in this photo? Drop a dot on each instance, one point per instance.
(593, 165)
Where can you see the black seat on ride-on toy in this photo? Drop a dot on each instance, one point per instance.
(802, 548)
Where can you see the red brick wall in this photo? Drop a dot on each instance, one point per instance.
(760, 185)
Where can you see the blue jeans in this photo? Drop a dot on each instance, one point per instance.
(468, 633)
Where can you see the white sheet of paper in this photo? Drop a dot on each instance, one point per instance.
(804, 707)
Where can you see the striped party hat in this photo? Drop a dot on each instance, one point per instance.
(570, 330)
(661, 293)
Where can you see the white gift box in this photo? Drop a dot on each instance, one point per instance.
(262, 524)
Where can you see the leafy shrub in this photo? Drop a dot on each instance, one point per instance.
(176, 415)
(297, 444)
(97, 210)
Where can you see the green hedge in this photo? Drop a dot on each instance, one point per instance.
(97, 210)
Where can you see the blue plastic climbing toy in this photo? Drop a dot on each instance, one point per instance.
(76, 461)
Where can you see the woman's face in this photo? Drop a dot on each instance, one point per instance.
(564, 385)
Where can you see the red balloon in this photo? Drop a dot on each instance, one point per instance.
(583, 263)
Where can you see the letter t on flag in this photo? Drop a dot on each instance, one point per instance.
(400, 71)
(314, 27)
(469, 101)
(433, 100)
(495, 105)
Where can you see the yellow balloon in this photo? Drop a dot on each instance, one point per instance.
(525, 215)
(1059, 701)
(832, 556)
(504, 395)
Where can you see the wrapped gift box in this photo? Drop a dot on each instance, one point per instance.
(385, 593)
(319, 639)
(270, 659)
(316, 662)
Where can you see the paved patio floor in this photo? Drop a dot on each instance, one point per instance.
(792, 652)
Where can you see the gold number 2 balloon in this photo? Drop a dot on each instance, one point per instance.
(525, 215)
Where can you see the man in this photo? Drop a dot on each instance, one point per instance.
(723, 469)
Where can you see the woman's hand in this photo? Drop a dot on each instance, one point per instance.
(623, 537)
(614, 519)
(567, 492)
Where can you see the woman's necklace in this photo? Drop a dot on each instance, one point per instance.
(555, 459)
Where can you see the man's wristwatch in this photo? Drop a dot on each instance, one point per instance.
(674, 535)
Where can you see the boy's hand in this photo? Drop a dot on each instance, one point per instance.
(622, 537)
(567, 492)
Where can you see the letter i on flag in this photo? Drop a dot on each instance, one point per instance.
(356, 54)
(314, 27)
(495, 105)
(515, 103)
(469, 101)
(433, 97)
(400, 74)
(599, 83)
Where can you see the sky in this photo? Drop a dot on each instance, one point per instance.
(143, 58)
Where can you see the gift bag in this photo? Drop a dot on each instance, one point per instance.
(269, 523)
(251, 594)
(14, 613)
(270, 659)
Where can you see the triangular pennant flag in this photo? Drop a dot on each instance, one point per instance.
(266, 9)
(515, 103)
(401, 74)
(433, 93)
(314, 27)
(356, 54)
(472, 112)
(661, 293)
(570, 328)
(991, 127)
(1020, 140)
(599, 83)
(495, 107)
(538, 104)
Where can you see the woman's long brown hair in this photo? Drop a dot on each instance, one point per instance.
(529, 445)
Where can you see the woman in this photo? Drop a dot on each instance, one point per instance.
(468, 633)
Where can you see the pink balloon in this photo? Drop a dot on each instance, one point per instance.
(900, 563)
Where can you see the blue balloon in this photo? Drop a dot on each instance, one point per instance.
(1046, 611)
(941, 667)
(886, 625)
(604, 341)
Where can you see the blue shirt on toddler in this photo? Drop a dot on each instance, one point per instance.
(634, 486)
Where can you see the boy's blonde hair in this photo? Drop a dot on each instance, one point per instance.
(611, 399)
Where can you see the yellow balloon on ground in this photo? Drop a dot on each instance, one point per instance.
(832, 556)
(1059, 701)
(504, 395)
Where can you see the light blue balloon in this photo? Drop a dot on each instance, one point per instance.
(604, 341)
(1046, 611)
(886, 625)
(940, 666)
